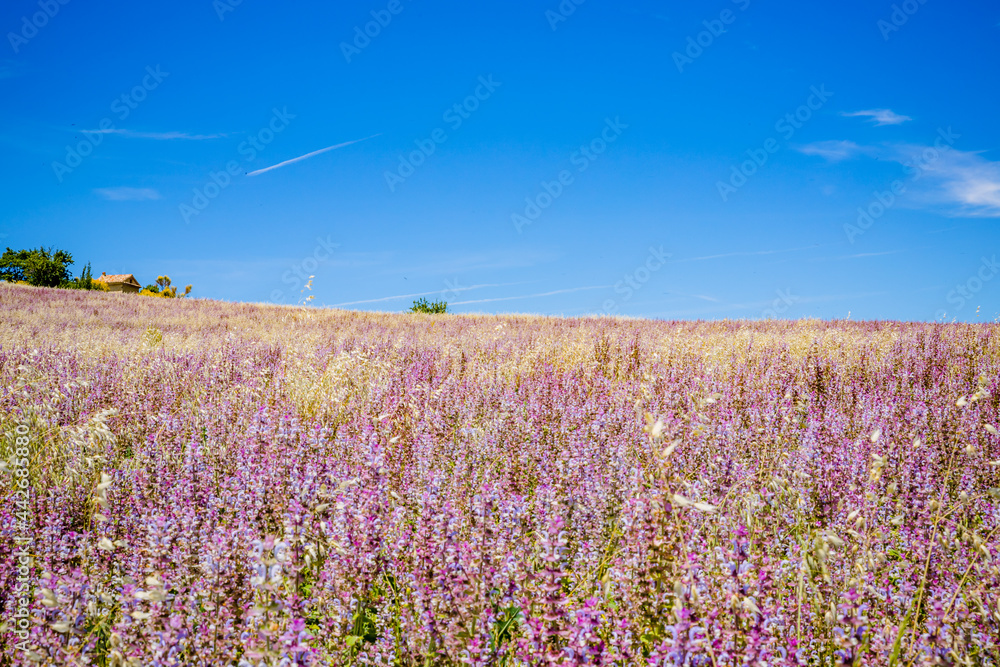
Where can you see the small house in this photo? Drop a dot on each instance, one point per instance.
(123, 282)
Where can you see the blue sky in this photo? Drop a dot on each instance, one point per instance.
(667, 160)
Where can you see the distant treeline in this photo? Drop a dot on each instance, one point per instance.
(47, 267)
(44, 267)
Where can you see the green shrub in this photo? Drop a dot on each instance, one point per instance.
(429, 307)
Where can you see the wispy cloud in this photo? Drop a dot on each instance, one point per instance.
(859, 255)
(879, 116)
(159, 136)
(814, 299)
(834, 150)
(964, 180)
(309, 155)
(703, 297)
(732, 308)
(746, 253)
(532, 296)
(871, 254)
(127, 194)
(439, 264)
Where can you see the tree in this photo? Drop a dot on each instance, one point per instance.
(429, 307)
(43, 267)
(12, 265)
(86, 281)
(163, 289)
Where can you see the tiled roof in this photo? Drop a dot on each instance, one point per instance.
(118, 278)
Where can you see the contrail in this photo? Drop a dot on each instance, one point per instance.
(749, 253)
(407, 296)
(156, 135)
(309, 155)
(529, 296)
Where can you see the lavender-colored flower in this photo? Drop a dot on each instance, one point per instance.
(272, 486)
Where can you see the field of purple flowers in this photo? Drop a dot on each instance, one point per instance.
(201, 483)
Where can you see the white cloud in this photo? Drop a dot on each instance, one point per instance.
(962, 179)
(880, 116)
(834, 150)
(964, 182)
(127, 194)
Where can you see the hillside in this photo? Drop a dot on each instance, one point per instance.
(217, 483)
